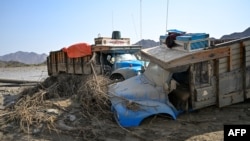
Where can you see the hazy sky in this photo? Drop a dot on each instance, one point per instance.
(42, 26)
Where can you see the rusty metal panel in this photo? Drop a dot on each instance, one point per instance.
(230, 88)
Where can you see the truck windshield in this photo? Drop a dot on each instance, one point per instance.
(157, 74)
(125, 57)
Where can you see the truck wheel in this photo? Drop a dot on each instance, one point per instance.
(117, 77)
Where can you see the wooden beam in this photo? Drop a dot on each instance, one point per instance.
(100, 48)
(200, 56)
(195, 57)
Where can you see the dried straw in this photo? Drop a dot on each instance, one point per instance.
(30, 109)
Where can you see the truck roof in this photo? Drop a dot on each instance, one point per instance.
(170, 58)
(176, 57)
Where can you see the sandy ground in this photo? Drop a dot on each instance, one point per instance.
(35, 73)
(205, 124)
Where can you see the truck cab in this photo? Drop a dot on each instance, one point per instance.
(188, 77)
(112, 56)
(125, 65)
(118, 56)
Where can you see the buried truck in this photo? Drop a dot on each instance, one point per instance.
(114, 57)
(183, 78)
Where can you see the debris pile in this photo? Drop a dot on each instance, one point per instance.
(62, 103)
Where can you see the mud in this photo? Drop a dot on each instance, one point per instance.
(74, 121)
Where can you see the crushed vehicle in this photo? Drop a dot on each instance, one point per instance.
(114, 57)
(186, 77)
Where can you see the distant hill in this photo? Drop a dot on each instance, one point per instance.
(237, 35)
(147, 43)
(25, 57)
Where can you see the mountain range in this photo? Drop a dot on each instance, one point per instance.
(150, 43)
(25, 57)
(34, 58)
(237, 35)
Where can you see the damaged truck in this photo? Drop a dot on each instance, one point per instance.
(189, 76)
(114, 57)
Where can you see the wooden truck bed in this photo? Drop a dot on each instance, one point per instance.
(218, 75)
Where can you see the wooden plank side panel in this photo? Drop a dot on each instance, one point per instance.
(78, 66)
(230, 82)
(230, 88)
(236, 64)
(247, 55)
(223, 65)
(53, 63)
(246, 43)
(206, 103)
(203, 96)
(70, 66)
(233, 61)
(49, 66)
(235, 50)
(237, 56)
(61, 59)
(248, 52)
(223, 70)
(235, 46)
(223, 60)
(231, 98)
(87, 69)
(205, 93)
(247, 48)
(247, 79)
(248, 64)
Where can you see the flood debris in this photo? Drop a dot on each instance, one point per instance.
(62, 103)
